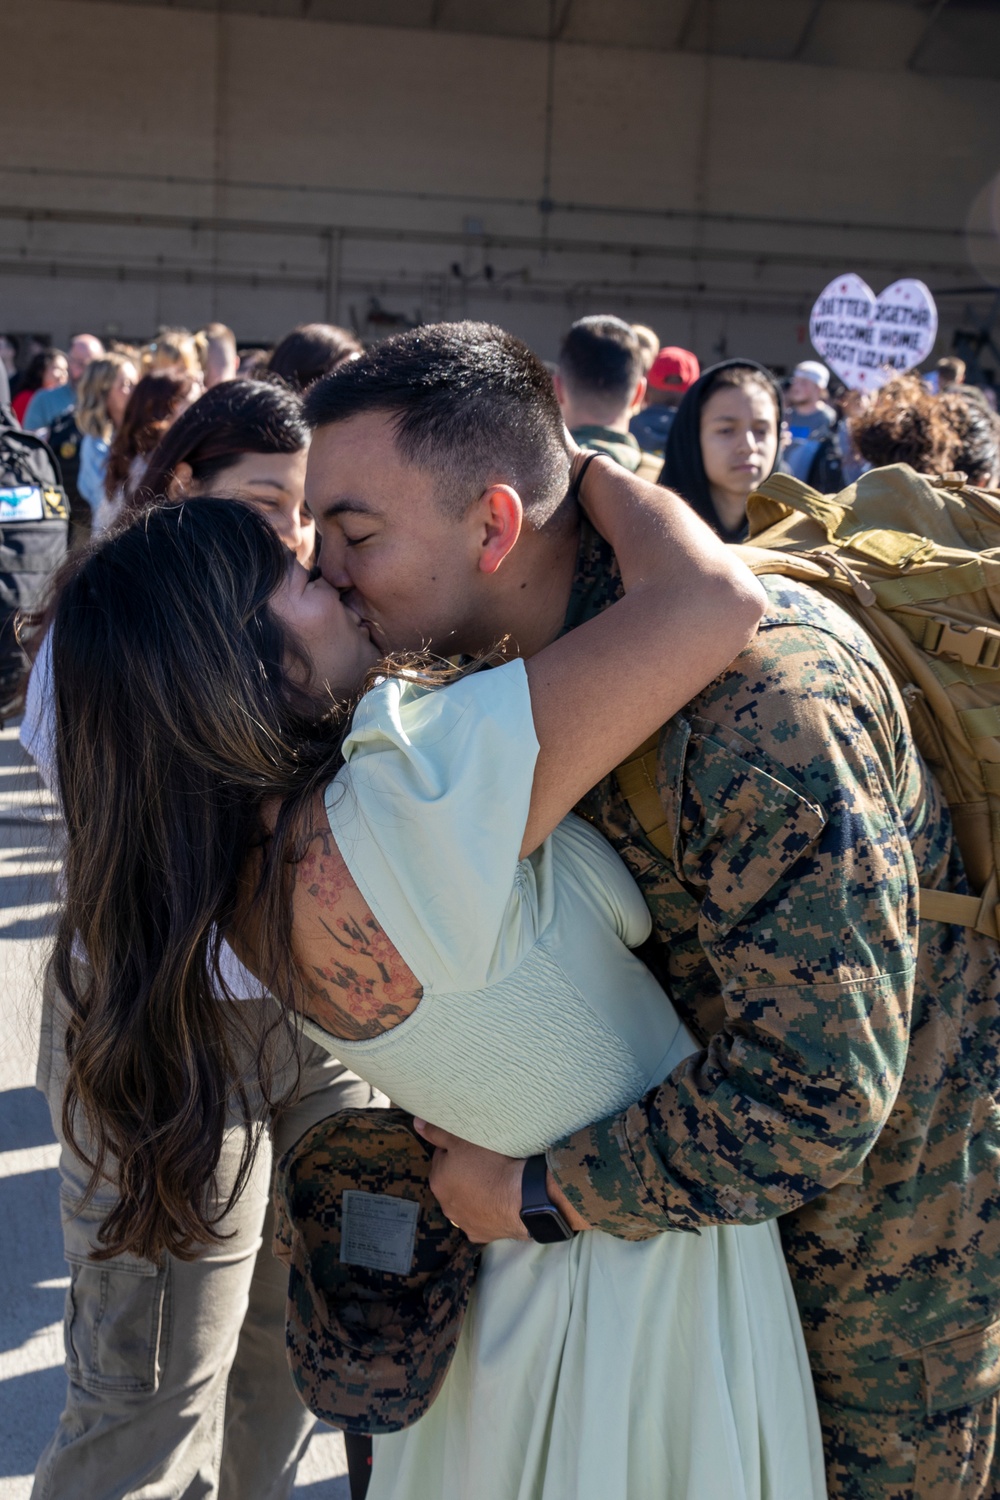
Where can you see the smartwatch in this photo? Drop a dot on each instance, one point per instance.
(539, 1215)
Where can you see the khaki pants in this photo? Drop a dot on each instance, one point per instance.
(178, 1386)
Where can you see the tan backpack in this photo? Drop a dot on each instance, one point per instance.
(916, 561)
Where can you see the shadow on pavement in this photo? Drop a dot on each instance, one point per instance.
(29, 1214)
(42, 926)
(24, 1120)
(324, 1489)
(38, 1391)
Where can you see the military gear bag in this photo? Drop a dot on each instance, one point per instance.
(34, 537)
(64, 439)
(916, 561)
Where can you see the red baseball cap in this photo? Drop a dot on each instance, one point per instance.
(674, 370)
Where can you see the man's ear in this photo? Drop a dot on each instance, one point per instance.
(639, 394)
(180, 481)
(560, 389)
(500, 515)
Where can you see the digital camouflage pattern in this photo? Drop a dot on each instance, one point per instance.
(368, 1350)
(622, 447)
(850, 1074)
(892, 1432)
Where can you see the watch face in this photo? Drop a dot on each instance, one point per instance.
(546, 1225)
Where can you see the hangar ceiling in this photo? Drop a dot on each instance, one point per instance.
(945, 37)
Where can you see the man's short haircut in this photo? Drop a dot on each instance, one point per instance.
(469, 402)
(601, 360)
(219, 333)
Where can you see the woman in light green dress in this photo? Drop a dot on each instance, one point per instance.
(452, 933)
(514, 1012)
(599, 1369)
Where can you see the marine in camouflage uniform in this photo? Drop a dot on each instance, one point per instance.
(849, 1076)
(622, 447)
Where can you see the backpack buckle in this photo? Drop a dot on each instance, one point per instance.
(955, 479)
(972, 645)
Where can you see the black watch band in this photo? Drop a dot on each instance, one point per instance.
(539, 1215)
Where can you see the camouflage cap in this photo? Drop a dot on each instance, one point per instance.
(379, 1279)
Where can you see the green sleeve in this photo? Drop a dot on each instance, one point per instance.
(792, 853)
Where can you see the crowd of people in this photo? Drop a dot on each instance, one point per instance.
(104, 411)
(340, 690)
(713, 437)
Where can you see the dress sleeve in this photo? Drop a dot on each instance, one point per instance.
(429, 813)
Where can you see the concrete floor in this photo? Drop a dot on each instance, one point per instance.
(33, 1275)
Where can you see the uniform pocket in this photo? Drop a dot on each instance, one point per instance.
(962, 1371)
(116, 1331)
(745, 822)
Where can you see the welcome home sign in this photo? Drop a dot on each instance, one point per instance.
(865, 339)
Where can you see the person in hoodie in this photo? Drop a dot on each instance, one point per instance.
(723, 442)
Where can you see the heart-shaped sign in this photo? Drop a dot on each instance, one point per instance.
(865, 339)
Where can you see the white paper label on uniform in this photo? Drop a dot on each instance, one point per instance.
(21, 502)
(378, 1231)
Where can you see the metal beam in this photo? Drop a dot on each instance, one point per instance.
(321, 235)
(687, 25)
(932, 21)
(333, 244)
(561, 20)
(805, 35)
(311, 191)
(555, 291)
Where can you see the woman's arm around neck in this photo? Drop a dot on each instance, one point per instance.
(690, 607)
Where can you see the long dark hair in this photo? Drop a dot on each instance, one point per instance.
(147, 417)
(683, 467)
(230, 419)
(978, 430)
(175, 720)
(311, 351)
(40, 365)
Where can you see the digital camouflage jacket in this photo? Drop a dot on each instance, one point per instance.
(849, 1076)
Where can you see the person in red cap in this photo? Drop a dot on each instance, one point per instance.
(672, 373)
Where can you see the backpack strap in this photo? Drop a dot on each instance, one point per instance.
(636, 779)
(796, 495)
(977, 912)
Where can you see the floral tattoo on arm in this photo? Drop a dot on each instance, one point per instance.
(356, 983)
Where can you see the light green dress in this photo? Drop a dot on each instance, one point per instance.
(601, 1369)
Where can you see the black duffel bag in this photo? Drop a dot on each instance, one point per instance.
(34, 539)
